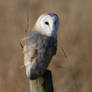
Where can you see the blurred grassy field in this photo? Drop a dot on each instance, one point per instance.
(75, 36)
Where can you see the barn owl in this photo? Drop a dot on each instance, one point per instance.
(41, 45)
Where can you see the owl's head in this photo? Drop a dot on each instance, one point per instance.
(47, 24)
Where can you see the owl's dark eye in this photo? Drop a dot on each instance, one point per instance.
(47, 23)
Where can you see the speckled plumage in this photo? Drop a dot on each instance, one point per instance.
(38, 52)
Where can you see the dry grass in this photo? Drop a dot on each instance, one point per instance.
(75, 35)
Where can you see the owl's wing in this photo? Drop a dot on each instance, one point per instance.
(38, 52)
(45, 50)
(30, 49)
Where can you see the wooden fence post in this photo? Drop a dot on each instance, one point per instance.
(42, 84)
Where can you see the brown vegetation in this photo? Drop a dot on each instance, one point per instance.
(75, 36)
